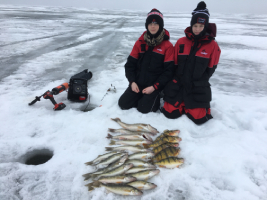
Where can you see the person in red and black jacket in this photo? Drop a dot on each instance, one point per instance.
(196, 58)
(149, 67)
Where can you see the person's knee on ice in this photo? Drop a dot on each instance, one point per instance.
(149, 102)
(128, 99)
(122, 106)
(200, 121)
(143, 109)
(171, 112)
(199, 115)
(173, 115)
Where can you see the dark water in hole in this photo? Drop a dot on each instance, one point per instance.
(38, 159)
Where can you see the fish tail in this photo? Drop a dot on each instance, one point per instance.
(93, 185)
(90, 188)
(112, 130)
(89, 184)
(94, 176)
(109, 136)
(116, 119)
(96, 184)
(89, 163)
(87, 176)
(109, 148)
(112, 142)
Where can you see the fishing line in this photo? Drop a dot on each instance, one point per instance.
(88, 96)
(110, 90)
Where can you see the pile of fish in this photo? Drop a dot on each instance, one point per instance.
(127, 174)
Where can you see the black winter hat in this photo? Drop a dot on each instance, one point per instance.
(155, 15)
(200, 15)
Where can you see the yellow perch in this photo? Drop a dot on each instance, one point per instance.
(168, 133)
(170, 163)
(166, 153)
(171, 132)
(163, 140)
(156, 150)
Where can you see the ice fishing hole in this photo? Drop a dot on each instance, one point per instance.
(88, 107)
(37, 157)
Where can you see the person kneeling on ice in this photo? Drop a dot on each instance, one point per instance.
(196, 57)
(149, 67)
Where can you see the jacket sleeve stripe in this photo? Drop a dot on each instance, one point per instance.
(215, 56)
(169, 56)
(136, 50)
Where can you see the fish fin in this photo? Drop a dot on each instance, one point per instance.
(162, 166)
(176, 145)
(112, 130)
(89, 163)
(151, 161)
(116, 119)
(112, 142)
(146, 146)
(109, 148)
(109, 136)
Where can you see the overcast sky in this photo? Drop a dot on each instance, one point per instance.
(222, 6)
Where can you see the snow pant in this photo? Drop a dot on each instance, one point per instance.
(197, 115)
(144, 103)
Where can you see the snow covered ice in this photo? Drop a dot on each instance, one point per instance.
(42, 47)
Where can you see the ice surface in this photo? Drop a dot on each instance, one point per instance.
(42, 47)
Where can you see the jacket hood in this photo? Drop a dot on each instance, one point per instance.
(210, 33)
(166, 36)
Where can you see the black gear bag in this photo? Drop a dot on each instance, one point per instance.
(78, 86)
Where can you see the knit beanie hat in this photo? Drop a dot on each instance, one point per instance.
(155, 16)
(200, 15)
